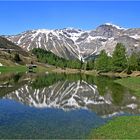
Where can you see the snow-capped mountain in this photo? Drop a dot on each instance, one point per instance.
(73, 43)
(68, 95)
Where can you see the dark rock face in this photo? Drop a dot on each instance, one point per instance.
(72, 43)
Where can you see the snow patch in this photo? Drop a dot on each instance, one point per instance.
(116, 26)
(90, 38)
(43, 31)
(136, 36)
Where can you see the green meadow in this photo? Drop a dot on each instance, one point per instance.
(125, 127)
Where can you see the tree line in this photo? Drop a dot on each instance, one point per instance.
(52, 59)
(118, 62)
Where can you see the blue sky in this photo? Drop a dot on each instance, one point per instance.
(18, 16)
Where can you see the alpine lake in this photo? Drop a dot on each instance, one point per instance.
(50, 106)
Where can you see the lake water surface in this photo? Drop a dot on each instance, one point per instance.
(60, 105)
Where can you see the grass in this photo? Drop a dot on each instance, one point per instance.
(41, 69)
(20, 68)
(132, 83)
(125, 127)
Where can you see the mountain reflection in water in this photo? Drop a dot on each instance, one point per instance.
(70, 92)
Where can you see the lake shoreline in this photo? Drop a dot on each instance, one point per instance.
(52, 69)
(121, 74)
(96, 73)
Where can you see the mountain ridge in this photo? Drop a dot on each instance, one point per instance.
(71, 43)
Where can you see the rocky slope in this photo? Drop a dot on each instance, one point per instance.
(75, 43)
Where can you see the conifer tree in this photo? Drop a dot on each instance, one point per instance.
(102, 63)
(119, 60)
(133, 62)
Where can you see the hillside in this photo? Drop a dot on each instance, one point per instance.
(6, 45)
(9, 51)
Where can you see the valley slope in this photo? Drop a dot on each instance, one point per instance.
(8, 50)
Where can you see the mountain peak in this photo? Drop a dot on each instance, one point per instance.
(71, 43)
(115, 26)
